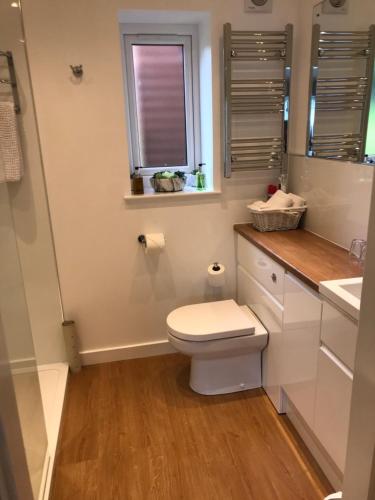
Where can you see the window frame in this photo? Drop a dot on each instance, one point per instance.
(150, 34)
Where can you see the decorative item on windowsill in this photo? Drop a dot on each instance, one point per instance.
(137, 181)
(168, 182)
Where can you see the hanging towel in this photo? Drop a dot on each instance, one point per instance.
(11, 162)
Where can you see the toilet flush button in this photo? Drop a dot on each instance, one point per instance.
(242, 386)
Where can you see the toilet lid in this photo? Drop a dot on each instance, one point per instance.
(208, 321)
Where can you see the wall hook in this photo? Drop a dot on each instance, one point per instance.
(77, 70)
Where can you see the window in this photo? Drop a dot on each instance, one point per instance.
(163, 103)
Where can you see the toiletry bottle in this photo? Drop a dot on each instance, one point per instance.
(137, 181)
(201, 178)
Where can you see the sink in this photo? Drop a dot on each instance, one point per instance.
(345, 293)
(353, 288)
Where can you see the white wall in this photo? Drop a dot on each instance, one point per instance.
(117, 295)
(338, 196)
(29, 214)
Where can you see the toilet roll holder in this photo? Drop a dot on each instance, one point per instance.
(142, 240)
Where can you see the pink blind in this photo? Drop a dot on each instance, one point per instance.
(160, 101)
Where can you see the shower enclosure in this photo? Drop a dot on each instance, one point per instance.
(33, 371)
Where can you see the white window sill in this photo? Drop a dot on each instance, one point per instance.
(186, 193)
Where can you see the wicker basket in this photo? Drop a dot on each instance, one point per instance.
(276, 220)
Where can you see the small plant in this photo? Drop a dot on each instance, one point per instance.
(168, 181)
(169, 175)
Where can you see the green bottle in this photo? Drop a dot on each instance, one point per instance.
(201, 178)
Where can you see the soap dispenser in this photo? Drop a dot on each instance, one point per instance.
(201, 178)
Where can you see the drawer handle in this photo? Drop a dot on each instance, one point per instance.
(274, 277)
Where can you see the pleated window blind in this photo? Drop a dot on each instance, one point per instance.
(160, 97)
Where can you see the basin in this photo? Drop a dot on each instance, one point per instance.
(345, 293)
(354, 289)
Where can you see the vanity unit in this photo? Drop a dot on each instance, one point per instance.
(309, 360)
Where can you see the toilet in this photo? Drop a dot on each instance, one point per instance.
(224, 341)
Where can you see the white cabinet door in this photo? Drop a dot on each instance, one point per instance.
(301, 339)
(270, 312)
(339, 334)
(332, 408)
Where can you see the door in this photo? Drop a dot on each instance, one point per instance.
(19, 347)
(270, 312)
(301, 338)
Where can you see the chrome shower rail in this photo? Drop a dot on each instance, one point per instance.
(350, 93)
(256, 96)
(12, 81)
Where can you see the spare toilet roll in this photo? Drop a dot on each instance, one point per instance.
(155, 242)
(216, 275)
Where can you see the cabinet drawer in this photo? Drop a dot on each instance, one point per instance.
(270, 312)
(261, 267)
(339, 334)
(332, 406)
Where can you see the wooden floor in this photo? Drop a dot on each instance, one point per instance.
(135, 430)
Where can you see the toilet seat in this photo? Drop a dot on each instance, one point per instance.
(211, 320)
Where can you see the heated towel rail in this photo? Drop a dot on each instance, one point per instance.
(346, 92)
(255, 97)
(12, 81)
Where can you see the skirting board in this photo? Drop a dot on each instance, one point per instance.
(23, 365)
(119, 353)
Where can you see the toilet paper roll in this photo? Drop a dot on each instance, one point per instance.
(155, 242)
(216, 275)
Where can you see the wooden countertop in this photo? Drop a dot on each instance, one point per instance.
(311, 258)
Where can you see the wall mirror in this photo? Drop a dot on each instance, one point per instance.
(341, 119)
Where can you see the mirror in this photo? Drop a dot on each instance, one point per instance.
(341, 120)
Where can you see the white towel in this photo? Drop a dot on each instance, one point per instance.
(279, 200)
(11, 161)
(258, 205)
(298, 202)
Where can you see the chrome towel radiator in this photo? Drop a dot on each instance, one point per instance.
(342, 93)
(12, 81)
(254, 98)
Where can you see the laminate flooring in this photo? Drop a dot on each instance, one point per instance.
(134, 430)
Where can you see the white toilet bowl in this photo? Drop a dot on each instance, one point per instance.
(224, 341)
